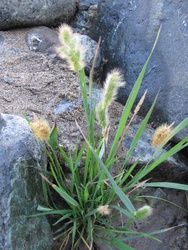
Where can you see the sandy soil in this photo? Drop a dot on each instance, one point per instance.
(33, 82)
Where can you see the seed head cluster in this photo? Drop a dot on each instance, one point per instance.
(113, 81)
(104, 210)
(70, 48)
(161, 135)
(111, 85)
(143, 212)
(41, 128)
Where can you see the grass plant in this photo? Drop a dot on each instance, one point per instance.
(93, 199)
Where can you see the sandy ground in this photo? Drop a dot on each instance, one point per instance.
(33, 82)
(30, 81)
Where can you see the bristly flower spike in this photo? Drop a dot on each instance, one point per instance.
(111, 85)
(41, 128)
(102, 115)
(70, 48)
(143, 212)
(113, 81)
(162, 134)
(104, 210)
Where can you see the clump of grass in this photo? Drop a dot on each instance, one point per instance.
(92, 200)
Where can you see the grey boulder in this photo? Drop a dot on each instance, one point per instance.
(42, 39)
(22, 158)
(128, 30)
(90, 47)
(15, 13)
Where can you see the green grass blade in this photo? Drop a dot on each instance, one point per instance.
(94, 211)
(167, 185)
(90, 229)
(53, 140)
(138, 235)
(58, 212)
(79, 155)
(127, 175)
(125, 200)
(44, 209)
(140, 131)
(63, 218)
(122, 210)
(80, 195)
(26, 118)
(86, 167)
(135, 141)
(129, 104)
(119, 244)
(65, 156)
(180, 126)
(84, 94)
(65, 196)
(55, 175)
(74, 229)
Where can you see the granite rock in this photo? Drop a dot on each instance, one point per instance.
(20, 187)
(15, 13)
(128, 30)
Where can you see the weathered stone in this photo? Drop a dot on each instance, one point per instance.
(1, 39)
(128, 30)
(44, 40)
(84, 16)
(20, 187)
(15, 13)
(86, 4)
(1, 43)
(90, 47)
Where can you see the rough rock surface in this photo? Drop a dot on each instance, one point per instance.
(86, 4)
(84, 16)
(20, 187)
(43, 39)
(15, 13)
(90, 47)
(128, 30)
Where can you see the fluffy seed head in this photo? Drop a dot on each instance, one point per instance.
(143, 212)
(162, 134)
(113, 81)
(104, 210)
(70, 48)
(65, 34)
(102, 115)
(40, 128)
